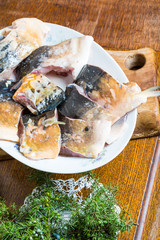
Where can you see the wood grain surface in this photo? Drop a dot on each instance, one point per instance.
(114, 24)
(149, 214)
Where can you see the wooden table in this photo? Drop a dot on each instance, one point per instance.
(114, 24)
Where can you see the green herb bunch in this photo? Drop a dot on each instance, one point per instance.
(97, 218)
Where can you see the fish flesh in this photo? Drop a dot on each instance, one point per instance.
(10, 113)
(38, 94)
(68, 56)
(18, 41)
(81, 138)
(40, 136)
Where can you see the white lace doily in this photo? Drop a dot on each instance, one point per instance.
(70, 187)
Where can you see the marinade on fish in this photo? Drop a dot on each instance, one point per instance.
(40, 136)
(38, 94)
(10, 113)
(18, 41)
(65, 57)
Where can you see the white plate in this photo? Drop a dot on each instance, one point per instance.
(101, 58)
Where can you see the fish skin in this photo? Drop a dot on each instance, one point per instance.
(38, 141)
(89, 77)
(81, 138)
(10, 113)
(76, 103)
(19, 40)
(65, 57)
(79, 106)
(117, 99)
(6, 93)
(38, 94)
(32, 62)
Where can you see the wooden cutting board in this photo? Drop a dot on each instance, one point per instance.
(141, 66)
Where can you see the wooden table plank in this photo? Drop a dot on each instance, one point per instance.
(79, 15)
(129, 24)
(151, 228)
(149, 217)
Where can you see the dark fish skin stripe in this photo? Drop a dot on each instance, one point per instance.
(5, 47)
(75, 105)
(5, 91)
(3, 61)
(89, 77)
(32, 61)
(52, 103)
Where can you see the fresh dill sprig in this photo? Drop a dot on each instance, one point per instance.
(43, 216)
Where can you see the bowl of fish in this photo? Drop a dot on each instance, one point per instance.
(66, 105)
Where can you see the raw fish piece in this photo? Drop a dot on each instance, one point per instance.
(117, 99)
(86, 125)
(65, 57)
(83, 139)
(10, 113)
(38, 94)
(79, 106)
(40, 136)
(24, 36)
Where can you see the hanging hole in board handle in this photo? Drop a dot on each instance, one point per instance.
(135, 62)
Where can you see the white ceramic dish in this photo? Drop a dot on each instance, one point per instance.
(101, 58)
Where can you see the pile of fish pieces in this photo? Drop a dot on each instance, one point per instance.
(29, 101)
(23, 62)
(93, 104)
